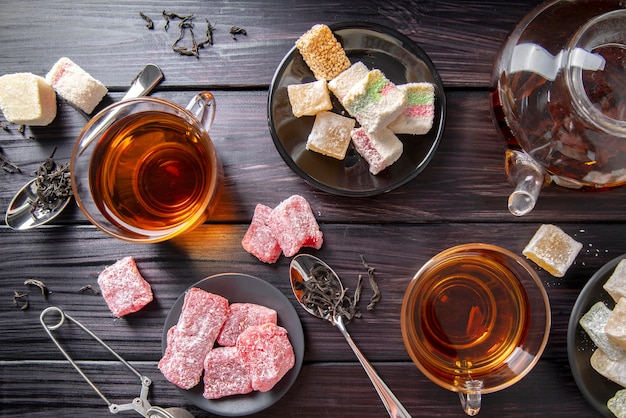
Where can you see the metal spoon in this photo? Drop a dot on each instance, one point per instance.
(19, 214)
(300, 271)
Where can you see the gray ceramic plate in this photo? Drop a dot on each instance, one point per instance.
(596, 389)
(378, 47)
(243, 288)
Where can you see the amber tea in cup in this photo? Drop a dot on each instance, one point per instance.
(145, 169)
(475, 319)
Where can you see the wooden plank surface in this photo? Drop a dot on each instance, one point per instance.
(462, 39)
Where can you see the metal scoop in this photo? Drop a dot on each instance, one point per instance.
(19, 214)
(300, 271)
(140, 404)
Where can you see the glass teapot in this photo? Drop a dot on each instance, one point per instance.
(559, 99)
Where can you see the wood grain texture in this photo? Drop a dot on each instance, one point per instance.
(313, 396)
(462, 39)
(459, 198)
(468, 169)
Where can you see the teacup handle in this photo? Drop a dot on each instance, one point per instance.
(471, 396)
(202, 106)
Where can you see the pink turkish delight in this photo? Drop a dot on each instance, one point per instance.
(202, 316)
(242, 316)
(225, 374)
(294, 226)
(259, 239)
(123, 288)
(267, 353)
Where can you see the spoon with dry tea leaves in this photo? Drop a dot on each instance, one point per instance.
(44, 198)
(320, 292)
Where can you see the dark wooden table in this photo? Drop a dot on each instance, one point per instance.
(459, 198)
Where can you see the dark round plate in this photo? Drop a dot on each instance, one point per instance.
(243, 288)
(596, 389)
(402, 61)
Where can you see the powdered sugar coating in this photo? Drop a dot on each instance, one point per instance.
(26, 99)
(268, 354)
(242, 316)
(199, 324)
(419, 112)
(123, 288)
(374, 101)
(341, 85)
(76, 85)
(552, 249)
(294, 226)
(259, 239)
(225, 374)
(330, 135)
(380, 149)
(309, 99)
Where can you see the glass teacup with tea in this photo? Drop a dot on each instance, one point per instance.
(145, 169)
(475, 320)
(560, 98)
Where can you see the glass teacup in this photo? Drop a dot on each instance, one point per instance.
(475, 320)
(145, 170)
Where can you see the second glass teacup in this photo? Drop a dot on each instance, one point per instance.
(475, 320)
(145, 170)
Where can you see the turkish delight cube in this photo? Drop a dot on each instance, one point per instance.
(330, 135)
(123, 288)
(552, 249)
(380, 149)
(374, 101)
(419, 111)
(309, 99)
(294, 226)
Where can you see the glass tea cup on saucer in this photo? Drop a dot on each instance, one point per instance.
(475, 320)
(559, 99)
(145, 170)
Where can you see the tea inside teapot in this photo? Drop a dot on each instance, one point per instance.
(560, 98)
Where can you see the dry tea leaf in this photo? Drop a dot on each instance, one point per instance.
(38, 283)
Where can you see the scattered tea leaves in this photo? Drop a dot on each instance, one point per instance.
(322, 293)
(371, 275)
(20, 300)
(209, 35)
(185, 25)
(325, 295)
(149, 22)
(53, 185)
(41, 285)
(88, 288)
(170, 15)
(236, 30)
(7, 165)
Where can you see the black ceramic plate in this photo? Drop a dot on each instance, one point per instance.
(596, 389)
(243, 288)
(402, 61)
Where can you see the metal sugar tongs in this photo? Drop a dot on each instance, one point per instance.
(139, 404)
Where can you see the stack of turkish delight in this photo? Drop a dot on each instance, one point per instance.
(381, 108)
